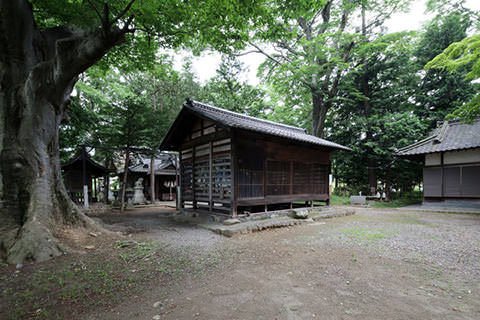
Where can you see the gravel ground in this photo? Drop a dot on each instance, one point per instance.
(154, 224)
(377, 264)
(447, 241)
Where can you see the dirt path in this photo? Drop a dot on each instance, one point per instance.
(375, 265)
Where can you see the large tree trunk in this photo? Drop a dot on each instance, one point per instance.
(38, 70)
(372, 172)
(319, 114)
(152, 178)
(125, 179)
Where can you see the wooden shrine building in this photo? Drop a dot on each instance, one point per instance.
(82, 174)
(165, 170)
(451, 157)
(232, 164)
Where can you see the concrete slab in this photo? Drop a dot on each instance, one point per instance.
(358, 200)
(448, 206)
(271, 223)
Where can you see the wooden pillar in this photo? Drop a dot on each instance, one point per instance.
(194, 201)
(179, 204)
(106, 187)
(94, 195)
(291, 177)
(443, 174)
(84, 178)
(210, 173)
(264, 177)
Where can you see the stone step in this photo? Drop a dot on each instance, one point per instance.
(281, 222)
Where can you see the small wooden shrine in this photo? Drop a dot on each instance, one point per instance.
(232, 164)
(81, 174)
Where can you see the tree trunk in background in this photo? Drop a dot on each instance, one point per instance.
(387, 184)
(152, 178)
(319, 114)
(38, 70)
(372, 174)
(125, 179)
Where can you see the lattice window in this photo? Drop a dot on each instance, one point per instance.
(250, 178)
(319, 176)
(201, 177)
(187, 178)
(302, 178)
(278, 177)
(221, 176)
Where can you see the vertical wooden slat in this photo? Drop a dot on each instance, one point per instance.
(233, 180)
(443, 175)
(291, 177)
(84, 178)
(194, 202)
(210, 181)
(94, 194)
(265, 178)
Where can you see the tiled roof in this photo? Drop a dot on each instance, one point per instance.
(240, 121)
(160, 165)
(453, 135)
(78, 157)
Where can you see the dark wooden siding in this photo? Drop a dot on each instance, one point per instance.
(222, 169)
(277, 171)
(432, 182)
(206, 174)
(452, 181)
(471, 181)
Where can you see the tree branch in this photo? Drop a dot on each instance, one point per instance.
(99, 15)
(122, 13)
(265, 53)
(246, 53)
(325, 17)
(282, 44)
(305, 27)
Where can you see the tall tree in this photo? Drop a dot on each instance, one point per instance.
(312, 43)
(228, 91)
(387, 122)
(126, 126)
(440, 91)
(44, 46)
(461, 58)
(165, 91)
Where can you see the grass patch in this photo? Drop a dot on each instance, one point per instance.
(408, 219)
(405, 200)
(367, 234)
(68, 286)
(337, 200)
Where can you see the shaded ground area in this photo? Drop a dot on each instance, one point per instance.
(377, 264)
(155, 224)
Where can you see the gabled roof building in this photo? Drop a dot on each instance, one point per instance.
(451, 156)
(232, 164)
(81, 175)
(165, 170)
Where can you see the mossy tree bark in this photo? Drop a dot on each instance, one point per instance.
(38, 69)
